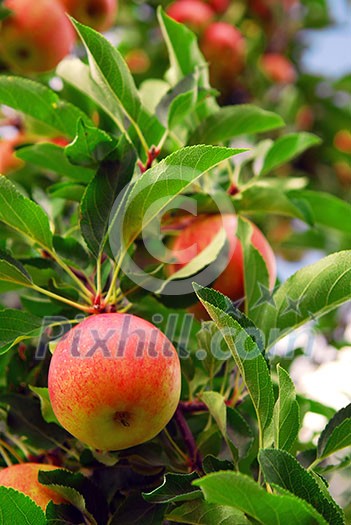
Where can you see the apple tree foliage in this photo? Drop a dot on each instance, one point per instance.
(232, 454)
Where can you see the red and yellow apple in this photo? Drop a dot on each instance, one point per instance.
(196, 236)
(24, 478)
(98, 14)
(223, 47)
(8, 160)
(278, 68)
(219, 6)
(342, 141)
(36, 36)
(193, 13)
(114, 381)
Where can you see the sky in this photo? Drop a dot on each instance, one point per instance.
(329, 50)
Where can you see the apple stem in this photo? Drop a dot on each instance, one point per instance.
(152, 154)
(189, 440)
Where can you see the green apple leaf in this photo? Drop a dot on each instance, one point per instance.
(17, 508)
(78, 490)
(71, 191)
(24, 419)
(246, 353)
(71, 251)
(281, 468)
(90, 146)
(179, 101)
(213, 464)
(286, 148)
(325, 209)
(233, 121)
(243, 493)
(134, 509)
(175, 487)
(109, 70)
(41, 103)
(286, 413)
(337, 433)
(52, 157)
(162, 183)
(13, 271)
(17, 325)
(239, 432)
(45, 403)
(203, 513)
(100, 196)
(311, 292)
(63, 514)
(24, 215)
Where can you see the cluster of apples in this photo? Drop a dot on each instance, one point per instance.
(224, 46)
(36, 36)
(221, 43)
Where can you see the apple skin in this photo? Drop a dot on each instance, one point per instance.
(199, 234)
(98, 14)
(36, 36)
(24, 478)
(110, 401)
(193, 13)
(219, 6)
(278, 68)
(8, 160)
(223, 46)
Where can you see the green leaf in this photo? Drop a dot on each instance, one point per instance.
(52, 158)
(134, 510)
(13, 271)
(45, 403)
(233, 121)
(70, 191)
(243, 493)
(213, 464)
(78, 490)
(286, 148)
(175, 487)
(286, 413)
(246, 353)
(203, 513)
(239, 432)
(101, 194)
(17, 508)
(24, 215)
(326, 210)
(63, 514)
(337, 433)
(311, 292)
(256, 276)
(116, 84)
(163, 183)
(281, 468)
(41, 103)
(25, 419)
(69, 249)
(91, 146)
(179, 101)
(16, 325)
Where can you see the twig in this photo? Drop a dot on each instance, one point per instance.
(189, 440)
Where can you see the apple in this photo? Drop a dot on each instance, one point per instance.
(342, 141)
(8, 160)
(98, 14)
(193, 13)
(278, 68)
(114, 381)
(138, 61)
(223, 47)
(24, 478)
(36, 36)
(195, 237)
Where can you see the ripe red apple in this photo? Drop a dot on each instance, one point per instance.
(114, 381)
(36, 36)
(342, 141)
(198, 235)
(138, 61)
(193, 13)
(98, 14)
(278, 68)
(24, 478)
(223, 47)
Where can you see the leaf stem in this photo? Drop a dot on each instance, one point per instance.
(189, 440)
(87, 293)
